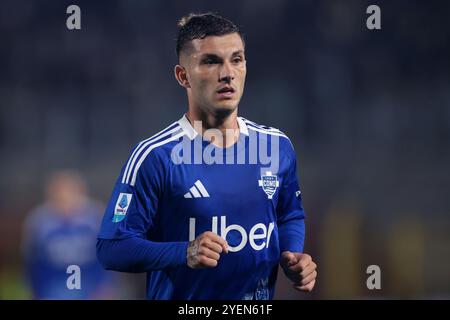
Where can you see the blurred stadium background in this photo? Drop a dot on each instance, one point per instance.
(368, 113)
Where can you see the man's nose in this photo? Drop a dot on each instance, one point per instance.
(226, 72)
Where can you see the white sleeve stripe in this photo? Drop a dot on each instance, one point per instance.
(248, 122)
(140, 148)
(145, 154)
(159, 134)
(273, 133)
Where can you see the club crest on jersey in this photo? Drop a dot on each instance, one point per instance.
(122, 204)
(269, 184)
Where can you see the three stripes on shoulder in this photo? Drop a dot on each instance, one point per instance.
(171, 133)
(264, 129)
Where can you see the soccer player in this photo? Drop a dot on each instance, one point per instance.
(197, 206)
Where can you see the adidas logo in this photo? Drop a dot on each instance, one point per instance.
(197, 191)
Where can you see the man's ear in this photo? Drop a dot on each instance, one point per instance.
(181, 76)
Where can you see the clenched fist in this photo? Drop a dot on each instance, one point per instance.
(300, 269)
(205, 250)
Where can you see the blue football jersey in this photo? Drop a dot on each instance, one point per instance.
(176, 185)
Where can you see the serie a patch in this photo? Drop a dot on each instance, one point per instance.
(122, 205)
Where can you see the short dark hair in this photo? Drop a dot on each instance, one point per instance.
(199, 26)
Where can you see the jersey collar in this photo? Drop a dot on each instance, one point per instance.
(191, 133)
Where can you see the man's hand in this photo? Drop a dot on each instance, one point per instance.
(205, 250)
(300, 269)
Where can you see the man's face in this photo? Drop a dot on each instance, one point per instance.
(216, 70)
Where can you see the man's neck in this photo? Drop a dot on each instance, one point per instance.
(227, 125)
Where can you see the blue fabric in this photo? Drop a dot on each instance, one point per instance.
(150, 219)
(140, 255)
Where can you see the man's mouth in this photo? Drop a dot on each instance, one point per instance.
(226, 91)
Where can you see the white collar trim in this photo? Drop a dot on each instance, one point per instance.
(187, 127)
(191, 133)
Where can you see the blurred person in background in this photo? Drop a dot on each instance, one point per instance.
(62, 232)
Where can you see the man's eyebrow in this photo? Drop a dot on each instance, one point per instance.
(238, 52)
(214, 56)
(210, 56)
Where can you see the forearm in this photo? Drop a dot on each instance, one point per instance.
(140, 255)
(292, 235)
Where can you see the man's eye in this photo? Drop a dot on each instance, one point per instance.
(209, 61)
(237, 60)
